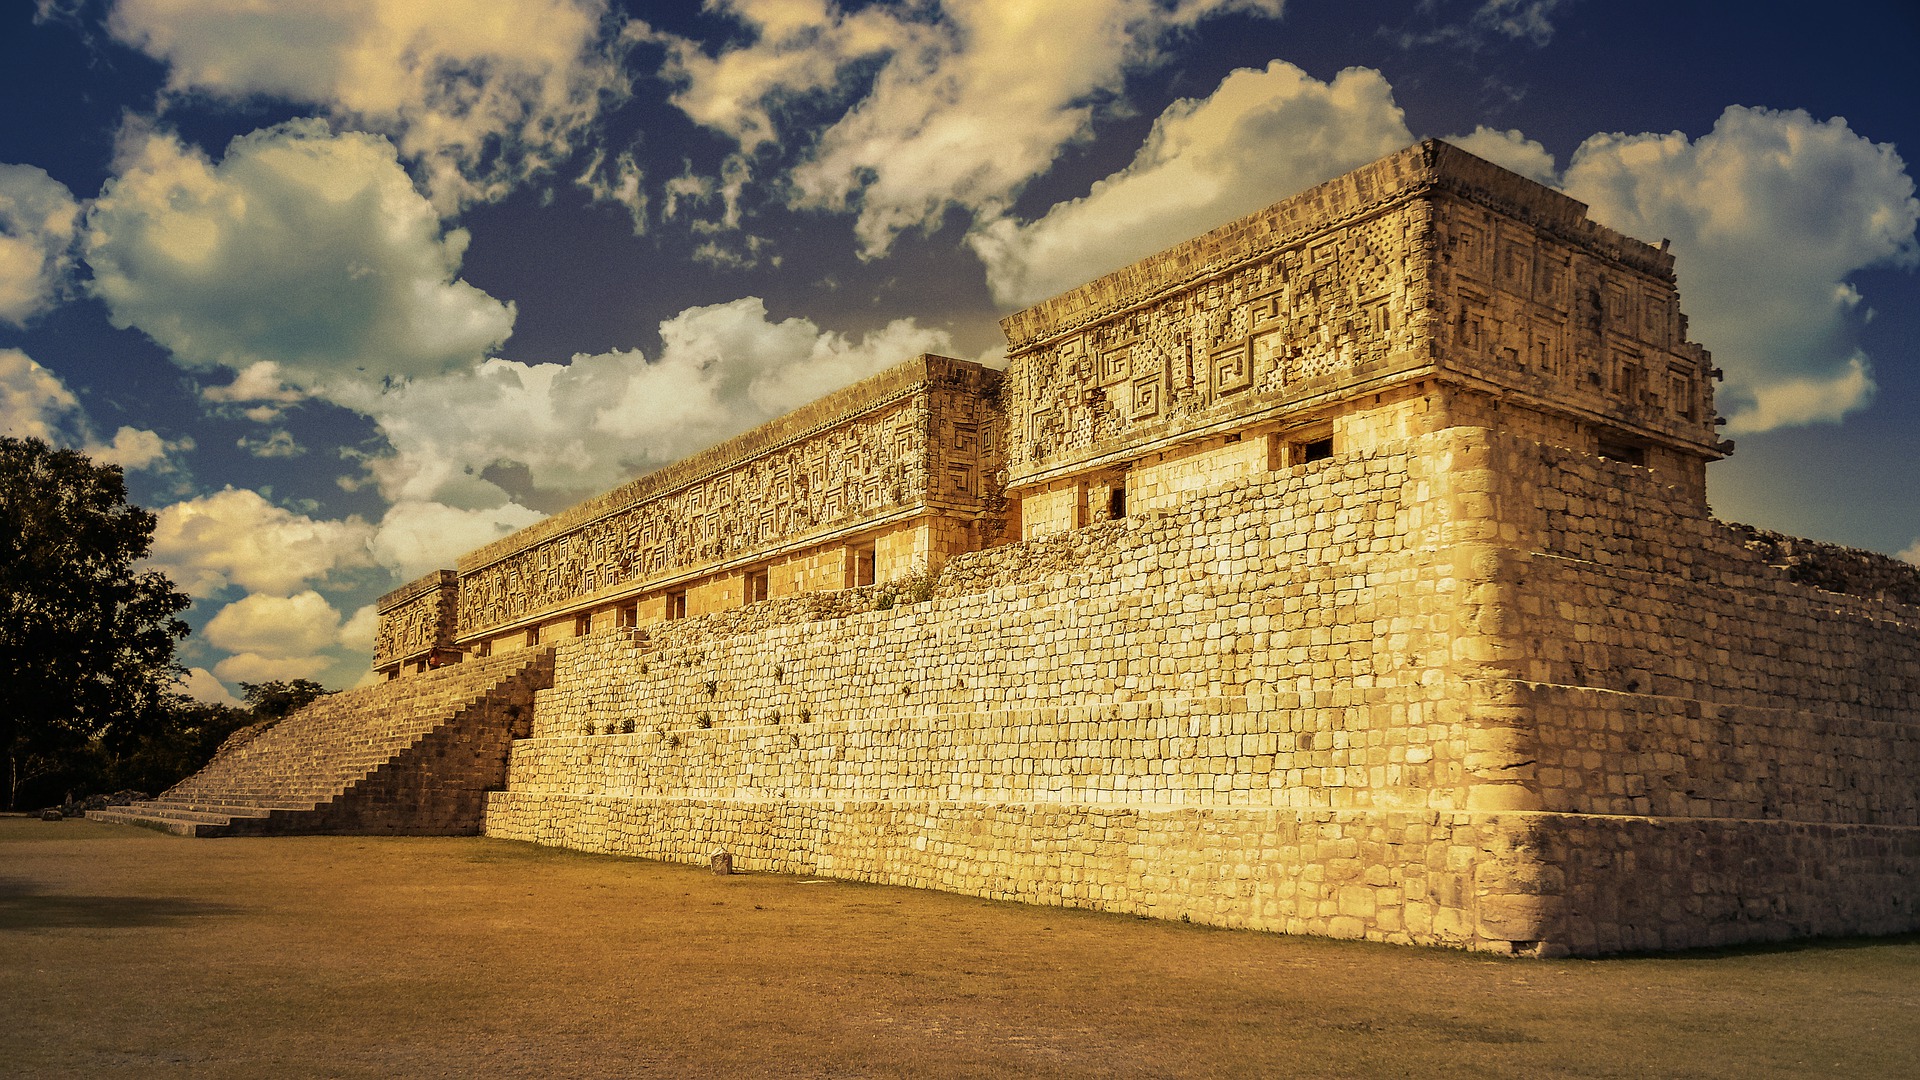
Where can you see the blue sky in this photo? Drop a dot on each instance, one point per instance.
(351, 287)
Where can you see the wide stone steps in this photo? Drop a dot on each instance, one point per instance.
(398, 757)
(180, 822)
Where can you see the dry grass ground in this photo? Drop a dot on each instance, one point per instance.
(126, 953)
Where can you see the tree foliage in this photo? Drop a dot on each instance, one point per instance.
(281, 697)
(86, 640)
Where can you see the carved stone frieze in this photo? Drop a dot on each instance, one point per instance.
(1233, 343)
(416, 618)
(915, 438)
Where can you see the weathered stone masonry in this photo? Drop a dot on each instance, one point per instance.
(1347, 570)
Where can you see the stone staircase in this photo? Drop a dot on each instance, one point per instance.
(415, 756)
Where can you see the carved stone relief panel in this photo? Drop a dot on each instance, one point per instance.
(419, 619)
(1568, 323)
(1317, 309)
(855, 470)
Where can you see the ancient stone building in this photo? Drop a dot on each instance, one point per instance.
(1346, 570)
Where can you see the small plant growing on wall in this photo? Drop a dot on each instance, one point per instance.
(626, 726)
(713, 687)
(779, 672)
(806, 715)
(705, 720)
(913, 587)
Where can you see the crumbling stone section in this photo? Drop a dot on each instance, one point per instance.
(1835, 568)
(416, 758)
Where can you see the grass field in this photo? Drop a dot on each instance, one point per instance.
(128, 953)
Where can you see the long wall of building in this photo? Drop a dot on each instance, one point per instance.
(1347, 570)
(1287, 704)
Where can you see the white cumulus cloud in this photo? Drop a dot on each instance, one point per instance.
(255, 668)
(277, 627)
(36, 404)
(202, 685)
(37, 222)
(1511, 150)
(235, 537)
(1261, 136)
(417, 536)
(966, 102)
(1770, 214)
(357, 633)
(132, 448)
(302, 250)
(479, 94)
(579, 428)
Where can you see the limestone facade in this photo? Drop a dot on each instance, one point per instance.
(887, 477)
(1347, 570)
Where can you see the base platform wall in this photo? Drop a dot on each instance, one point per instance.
(1408, 878)
(1297, 704)
(1529, 883)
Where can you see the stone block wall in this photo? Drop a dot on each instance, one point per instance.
(1340, 698)
(1366, 587)
(1240, 709)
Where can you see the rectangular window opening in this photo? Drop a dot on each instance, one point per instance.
(677, 605)
(533, 635)
(1117, 502)
(582, 624)
(865, 561)
(1314, 450)
(1624, 452)
(629, 616)
(756, 586)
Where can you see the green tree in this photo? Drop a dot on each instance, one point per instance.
(281, 697)
(86, 641)
(179, 744)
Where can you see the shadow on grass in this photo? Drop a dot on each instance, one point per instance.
(24, 907)
(1768, 948)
